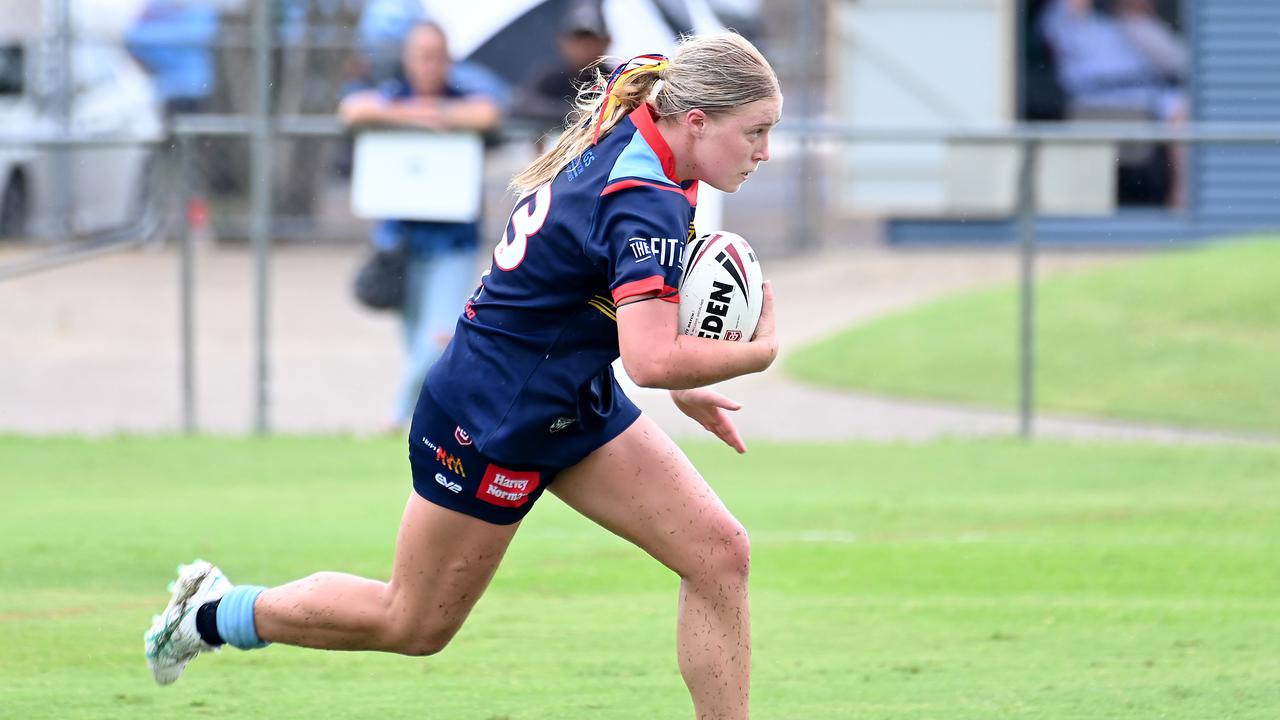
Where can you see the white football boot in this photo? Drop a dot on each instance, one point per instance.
(172, 639)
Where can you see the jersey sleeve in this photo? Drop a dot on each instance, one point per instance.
(639, 237)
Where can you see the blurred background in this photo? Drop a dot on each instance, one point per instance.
(176, 186)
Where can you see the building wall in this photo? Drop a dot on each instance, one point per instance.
(1236, 77)
(1235, 188)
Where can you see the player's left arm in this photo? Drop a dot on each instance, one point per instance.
(655, 354)
(635, 242)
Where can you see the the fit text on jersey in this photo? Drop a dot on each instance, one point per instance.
(666, 251)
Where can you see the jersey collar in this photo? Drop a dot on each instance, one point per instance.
(643, 117)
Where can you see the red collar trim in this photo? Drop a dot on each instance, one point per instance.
(643, 117)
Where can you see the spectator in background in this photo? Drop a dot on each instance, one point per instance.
(383, 26)
(583, 40)
(1124, 67)
(1154, 38)
(434, 95)
(173, 39)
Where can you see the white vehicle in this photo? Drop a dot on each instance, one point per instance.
(111, 97)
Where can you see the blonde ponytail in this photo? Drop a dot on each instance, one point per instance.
(716, 72)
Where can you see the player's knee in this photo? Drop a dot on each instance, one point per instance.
(736, 560)
(726, 556)
(420, 640)
(410, 629)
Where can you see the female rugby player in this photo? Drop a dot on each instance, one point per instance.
(524, 400)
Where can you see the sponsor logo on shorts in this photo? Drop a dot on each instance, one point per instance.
(507, 488)
(461, 436)
(562, 423)
(448, 484)
(450, 461)
(430, 445)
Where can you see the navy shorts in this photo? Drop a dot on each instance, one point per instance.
(449, 471)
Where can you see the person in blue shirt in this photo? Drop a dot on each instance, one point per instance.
(524, 399)
(174, 41)
(583, 41)
(1103, 62)
(1126, 66)
(435, 94)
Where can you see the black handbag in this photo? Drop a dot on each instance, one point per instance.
(380, 281)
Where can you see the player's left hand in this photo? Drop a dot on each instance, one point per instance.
(710, 409)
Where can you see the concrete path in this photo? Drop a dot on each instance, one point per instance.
(94, 348)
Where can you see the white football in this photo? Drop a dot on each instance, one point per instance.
(722, 289)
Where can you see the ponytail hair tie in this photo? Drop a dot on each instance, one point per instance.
(637, 65)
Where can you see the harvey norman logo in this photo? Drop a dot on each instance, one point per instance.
(507, 488)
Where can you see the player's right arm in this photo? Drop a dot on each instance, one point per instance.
(656, 355)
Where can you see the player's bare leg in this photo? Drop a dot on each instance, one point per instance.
(444, 561)
(643, 488)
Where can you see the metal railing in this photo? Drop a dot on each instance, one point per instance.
(263, 129)
(1029, 137)
(68, 249)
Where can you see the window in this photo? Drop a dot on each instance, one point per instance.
(12, 70)
(1111, 61)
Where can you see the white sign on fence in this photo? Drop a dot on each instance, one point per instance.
(417, 175)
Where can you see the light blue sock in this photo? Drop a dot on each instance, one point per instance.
(235, 617)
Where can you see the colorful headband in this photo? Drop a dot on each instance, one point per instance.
(637, 65)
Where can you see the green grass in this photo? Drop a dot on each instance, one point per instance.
(1187, 338)
(952, 580)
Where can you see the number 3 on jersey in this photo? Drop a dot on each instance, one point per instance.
(526, 220)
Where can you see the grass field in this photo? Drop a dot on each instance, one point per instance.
(952, 580)
(1188, 338)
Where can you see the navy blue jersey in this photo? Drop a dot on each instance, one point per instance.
(528, 373)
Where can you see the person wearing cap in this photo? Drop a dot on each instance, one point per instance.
(582, 41)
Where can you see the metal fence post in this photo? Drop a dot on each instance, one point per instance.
(186, 282)
(64, 204)
(807, 186)
(260, 231)
(1027, 272)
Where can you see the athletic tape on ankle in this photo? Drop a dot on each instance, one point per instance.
(235, 617)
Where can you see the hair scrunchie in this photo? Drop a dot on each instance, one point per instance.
(637, 65)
